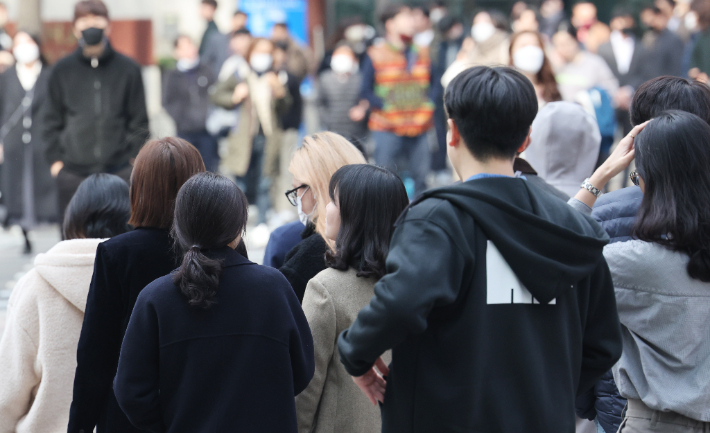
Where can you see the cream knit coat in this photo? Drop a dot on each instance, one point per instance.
(38, 347)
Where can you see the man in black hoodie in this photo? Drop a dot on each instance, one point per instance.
(96, 118)
(498, 305)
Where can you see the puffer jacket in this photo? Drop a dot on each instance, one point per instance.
(616, 212)
(602, 402)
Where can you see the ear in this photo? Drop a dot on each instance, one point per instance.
(107, 30)
(526, 143)
(453, 137)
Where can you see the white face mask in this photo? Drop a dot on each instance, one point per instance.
(302, 216)
(424, 38)
(342, 63)
(436, 15)
(481, 32)
(691, 21)
(529, 59)
(187, 64)
(261, 62)
(26, 53)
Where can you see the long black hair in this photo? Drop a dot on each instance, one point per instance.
(673, 157)
(99, 209)
(210, 213)
(370, 199)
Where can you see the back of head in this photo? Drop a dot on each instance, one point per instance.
(493, 109)
(210, 214)
(370, 200)
(161, 167)
(672, 158)
(564, 145)
(670, 93)
(314, 163)
(99, 208)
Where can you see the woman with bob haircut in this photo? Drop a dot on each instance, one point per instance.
(312, 166)
(662, 276)
(365, 202)
(46, 310)
(124, 266)
(222, 344)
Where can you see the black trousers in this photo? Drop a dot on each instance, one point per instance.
(68, 182)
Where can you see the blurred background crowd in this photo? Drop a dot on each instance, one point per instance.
(245, 81)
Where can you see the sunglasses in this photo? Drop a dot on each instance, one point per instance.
(292, 195)
(634, 176)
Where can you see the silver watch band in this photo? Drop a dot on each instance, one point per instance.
(591, 188)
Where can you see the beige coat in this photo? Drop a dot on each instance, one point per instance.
(38, 347)
(259, 109)
(332, 402)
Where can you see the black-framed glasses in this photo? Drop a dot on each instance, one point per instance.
(634, 176)
(292, 194)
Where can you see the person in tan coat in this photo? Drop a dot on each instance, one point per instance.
(46, 311)
(365, 203)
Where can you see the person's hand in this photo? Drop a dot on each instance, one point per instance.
(240, 93)
(373, 383)
(358, 112)
(56, 168)
(619, 159)
(466, 47)
(278, 88)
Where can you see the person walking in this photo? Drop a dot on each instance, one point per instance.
(124, 266)
(46, 308)
(187, 100)
(96, 118)
(312, 166)
(662, 274)
(396, 85)
(28, 189)
(365, 202)
(338, 91)
(492, 266)
(208, 9)
(221, 344)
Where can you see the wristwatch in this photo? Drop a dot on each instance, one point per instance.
(591, 188)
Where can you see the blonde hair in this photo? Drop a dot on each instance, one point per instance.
(315, 162)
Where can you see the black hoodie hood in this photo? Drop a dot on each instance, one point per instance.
(548, 245)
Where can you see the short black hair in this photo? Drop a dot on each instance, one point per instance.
(621, 11)
(99, 209)
(240, 12)
(670, 93)
(242, 31)
(370, 200)
(423, 8)
(493, 109)
(672, 157)
(390, 11)
(447, 23)
(181, 37)
(212, 3)
(283, 24)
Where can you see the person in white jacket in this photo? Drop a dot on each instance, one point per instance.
(46, 311)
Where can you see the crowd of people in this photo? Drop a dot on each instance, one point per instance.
(520, 298)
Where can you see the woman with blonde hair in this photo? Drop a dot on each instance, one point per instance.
(312, 166)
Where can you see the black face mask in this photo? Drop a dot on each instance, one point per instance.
(92, 36)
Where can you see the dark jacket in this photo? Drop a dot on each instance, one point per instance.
(186, 97)
(499, 308)
(25, 164)
(281, 241)
(305, 260)
(636, 75)
(616, 212)
(292, 116)
(530, 174)
(96, 118)
(664, 54)
(124, 265)
(602, 403)
(234, 367)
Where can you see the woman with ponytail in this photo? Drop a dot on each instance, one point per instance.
(221, 344)
(662, 277)
(124, 266)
